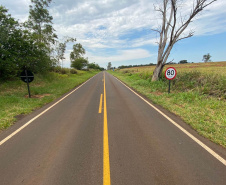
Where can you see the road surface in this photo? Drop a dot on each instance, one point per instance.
(103, 133)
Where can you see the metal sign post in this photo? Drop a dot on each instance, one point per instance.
(169, 87)
(170, 74)
(27, 77)
(28, 84)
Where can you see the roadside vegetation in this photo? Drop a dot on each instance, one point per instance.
(14, 100)
(34, 46)
(198, 94)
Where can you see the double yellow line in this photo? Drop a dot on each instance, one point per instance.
(106, 162)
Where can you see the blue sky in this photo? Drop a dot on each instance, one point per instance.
(120, 31)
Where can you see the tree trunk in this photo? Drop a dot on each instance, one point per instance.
(157, 72)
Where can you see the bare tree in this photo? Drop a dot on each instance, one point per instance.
(173, 25)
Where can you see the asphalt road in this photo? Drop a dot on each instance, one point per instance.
(114, 138)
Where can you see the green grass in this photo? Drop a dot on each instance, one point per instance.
(198, 98)
(44, 89)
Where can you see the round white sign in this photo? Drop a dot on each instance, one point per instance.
(170, 73)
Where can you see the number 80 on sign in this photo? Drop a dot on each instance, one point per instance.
(170, 73)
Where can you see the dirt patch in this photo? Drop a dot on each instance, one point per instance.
(19, 117)
(157, 93)
(37, 96)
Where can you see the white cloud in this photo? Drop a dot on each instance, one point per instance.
(117, 22)
(81, 19)
(144, 41)
(130, 15)
(19, 9)
(210, 21)
(121, 55)
(116, 58)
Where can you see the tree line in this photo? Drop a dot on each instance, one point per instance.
(206, 58)
(130, 66)
(34, 44)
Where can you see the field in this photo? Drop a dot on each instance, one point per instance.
(14, 99)
(206, 68)
(198, 94)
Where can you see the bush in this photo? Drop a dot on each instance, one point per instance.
(79, 63)
(211, 84)
(125, 71)
(145, 75)
(60, 70)
(56, 69)
(63, 71)
(73, 71)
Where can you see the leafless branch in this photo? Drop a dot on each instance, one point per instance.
(156, 30)
(191, 33)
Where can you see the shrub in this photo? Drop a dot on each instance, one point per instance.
(213, 84)
(56, 69)
(73, 71)
(63, 71)
(125, 71)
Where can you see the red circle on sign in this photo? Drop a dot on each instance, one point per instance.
(170, 73)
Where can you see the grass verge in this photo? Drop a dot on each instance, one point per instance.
(202, 111)
(14, 99)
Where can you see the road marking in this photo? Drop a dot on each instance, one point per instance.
(100, 106)
(29, 122)
(106, 162)
(214, 154)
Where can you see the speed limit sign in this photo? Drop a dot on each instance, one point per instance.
(170, 73)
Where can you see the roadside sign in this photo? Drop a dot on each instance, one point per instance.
(27, 77)
(170, 74)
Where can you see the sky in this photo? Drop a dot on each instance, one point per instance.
(120, 31)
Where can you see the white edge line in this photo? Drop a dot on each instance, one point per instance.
(217, 156)
(29, 122)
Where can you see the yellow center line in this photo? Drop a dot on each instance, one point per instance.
(106, 162)
(100, 106)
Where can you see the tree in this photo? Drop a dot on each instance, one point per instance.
(60, 50)
(8, 31)
(183, 62)
(206, 58)
(109, 66)
(40, 22)
(94, 66)
(78, 51)
(17, 48)
(79, 63)
(173, 25)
